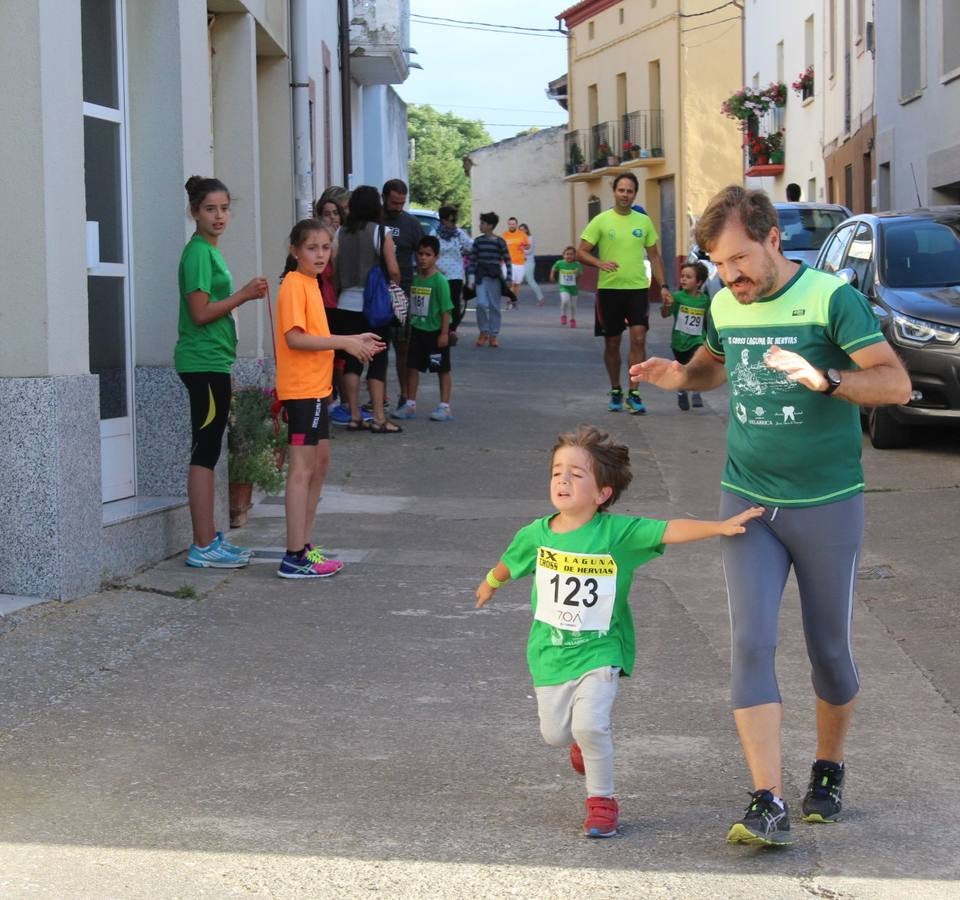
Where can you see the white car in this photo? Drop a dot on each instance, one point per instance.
(428, 219)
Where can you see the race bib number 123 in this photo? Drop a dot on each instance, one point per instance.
(575, 591)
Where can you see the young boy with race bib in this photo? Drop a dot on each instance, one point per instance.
(689, 307)
(429, 348)
(582, 638)
(566, 271)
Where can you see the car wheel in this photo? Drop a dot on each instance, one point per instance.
(886, 433)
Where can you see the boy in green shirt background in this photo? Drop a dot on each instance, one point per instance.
(688, 306)
(582, 638)
(567, 271)
(429, 349)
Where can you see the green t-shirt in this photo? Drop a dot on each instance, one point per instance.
(582, 573)
(788, 445)
(429, 300)
(567, 275)
(621, 239)
(211, 347)
(689, 320)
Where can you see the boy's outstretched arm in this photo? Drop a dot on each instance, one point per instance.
(683, 531)
(485, 590)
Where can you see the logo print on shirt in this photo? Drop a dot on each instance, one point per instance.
(637, 232)
(741, 411)
(799, 312)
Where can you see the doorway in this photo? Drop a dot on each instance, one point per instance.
(107, 239)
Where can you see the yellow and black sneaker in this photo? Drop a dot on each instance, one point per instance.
(765, 824)
(822, 802)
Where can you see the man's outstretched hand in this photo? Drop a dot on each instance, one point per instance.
(662, 373)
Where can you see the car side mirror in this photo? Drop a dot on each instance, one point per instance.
(849, 276)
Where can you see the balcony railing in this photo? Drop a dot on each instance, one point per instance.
(635, 136)
(643, 131)
(379, 36)
(763, 143)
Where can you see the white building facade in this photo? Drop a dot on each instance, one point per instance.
(781, 41)
(108, 107)
(918, 104)
(518, 177)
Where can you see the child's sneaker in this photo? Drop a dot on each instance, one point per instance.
(576, 759)
(696, 401)
(407, 411)
(573, 323)
(233, 548)
(563, 320)
(214, 556)
(340, 414)
(683, 401)
(603, 816)
(636, 404)
(304, 567)
(616, 400)
(442, 413)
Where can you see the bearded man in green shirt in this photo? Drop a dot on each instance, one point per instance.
(800, 350)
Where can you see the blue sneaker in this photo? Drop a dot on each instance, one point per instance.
(214, 556)
(407, 411)
(312, 564)
(340, 415)
(441, 414)
(616, 400)
(233, 548)
(636, 404)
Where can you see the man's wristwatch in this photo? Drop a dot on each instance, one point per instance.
(833, 380)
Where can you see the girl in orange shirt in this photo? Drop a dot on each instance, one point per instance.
(304, 350)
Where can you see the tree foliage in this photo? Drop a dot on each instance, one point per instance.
(440, 141)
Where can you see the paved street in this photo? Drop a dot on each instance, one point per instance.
(374, 735)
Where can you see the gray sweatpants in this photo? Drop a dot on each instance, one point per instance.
(822, 543)
(579, 711)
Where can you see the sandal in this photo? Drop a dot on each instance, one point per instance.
(384, 427)
(354, 425)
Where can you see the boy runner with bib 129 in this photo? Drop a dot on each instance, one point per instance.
(688, 306)
(582, 638)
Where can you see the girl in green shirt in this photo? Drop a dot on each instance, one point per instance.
(205, 352)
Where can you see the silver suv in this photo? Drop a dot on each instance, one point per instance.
(803, 229)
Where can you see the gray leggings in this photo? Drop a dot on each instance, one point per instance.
(822, 543)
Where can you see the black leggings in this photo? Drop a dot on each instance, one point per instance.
(209, 409)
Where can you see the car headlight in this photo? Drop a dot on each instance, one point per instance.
(919, 331)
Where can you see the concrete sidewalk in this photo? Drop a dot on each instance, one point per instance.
(374, 735)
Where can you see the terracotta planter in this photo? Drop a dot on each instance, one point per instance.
(241, 494)
(760, 160)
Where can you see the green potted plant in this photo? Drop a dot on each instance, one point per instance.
(775, 147)
(576, 159)
(251, 442)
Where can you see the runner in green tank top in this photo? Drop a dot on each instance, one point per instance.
(800, 351)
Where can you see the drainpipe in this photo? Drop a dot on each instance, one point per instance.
(302, 172)
(346, 115)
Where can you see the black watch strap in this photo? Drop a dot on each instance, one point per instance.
(833, 380)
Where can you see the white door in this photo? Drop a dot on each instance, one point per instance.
(108, 245)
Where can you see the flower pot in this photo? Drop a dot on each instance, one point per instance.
(581, 167)
(241, 494)
(776, 157)
(644, 153)
(612, 161)
(760, 160)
